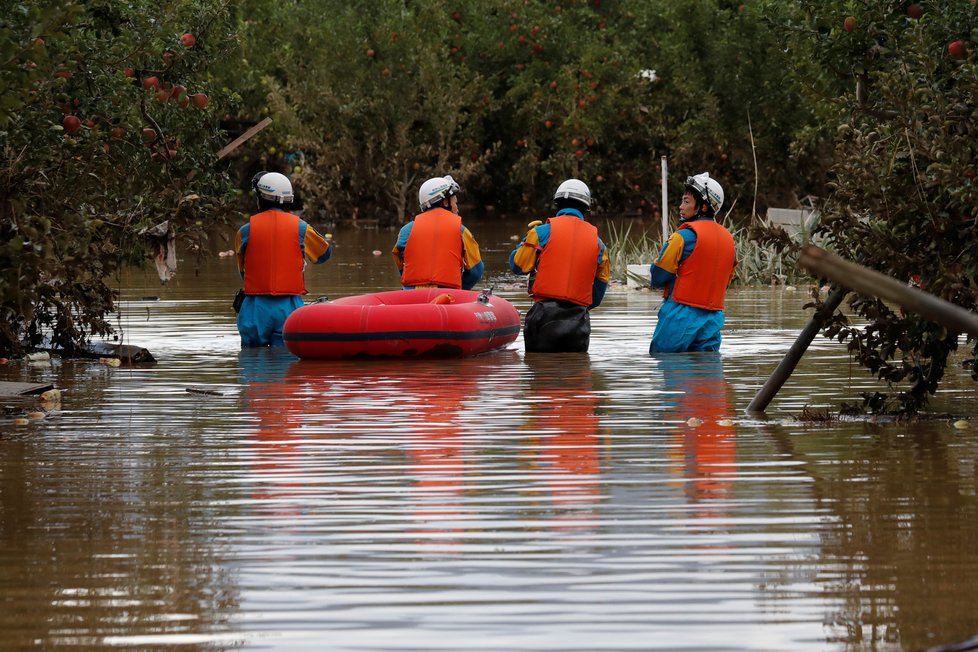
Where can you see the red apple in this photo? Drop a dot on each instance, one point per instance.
(522, 39)
(71, 124)
(513, 27)
(162, 95)
(579, 153)
(915, 11)
(553, 85)
(199, 100)
(151, 82)
(149, 135)
(386, 72)
(582, 103)
(957, 50)
(129, 72)
(118, 133)
(184, 102)
(849, 23)
(168, 57)
(536, 29)
(548, 124)
(970, 173)
(575, 141)
(188, 40)
(371, 52)
(457, 16)
(89, 123)
(63, 74)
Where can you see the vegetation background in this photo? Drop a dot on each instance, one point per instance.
(112, 113)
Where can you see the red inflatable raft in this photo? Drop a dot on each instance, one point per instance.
(404, 323)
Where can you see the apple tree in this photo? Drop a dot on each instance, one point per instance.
(107, 127)
(903, 198)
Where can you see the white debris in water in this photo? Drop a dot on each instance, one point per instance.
(693, 422)
(726, 423)
(961, 424)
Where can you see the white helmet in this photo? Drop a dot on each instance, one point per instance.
(436, 189)
(709, 190)
(574, 189)
(273, 187)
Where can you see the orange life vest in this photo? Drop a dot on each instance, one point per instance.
(273, 259)
(701, 280)
(433, 252)
(568, 262)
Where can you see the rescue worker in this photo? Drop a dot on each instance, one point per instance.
(272, 249)
(694, 268)
(435, 249)
(571, 267)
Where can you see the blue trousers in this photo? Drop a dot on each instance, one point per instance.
(262, 317)
(683, 328)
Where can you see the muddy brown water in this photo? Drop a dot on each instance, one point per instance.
(608, 501)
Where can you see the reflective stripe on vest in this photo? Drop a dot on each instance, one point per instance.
(433, 252)
(568, 262)
(273, 259)
(701, 280)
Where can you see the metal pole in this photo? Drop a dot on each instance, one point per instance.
(866, 281)
(790, 360)
(665, 201)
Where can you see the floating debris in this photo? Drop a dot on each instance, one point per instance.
(514, 238)
(694, 422)
(225, 254)
(110, 362)
(961, 424)
(726, 423)
(204, 391)
(51, 397)
(43, 356)
(21, 421)
(377, 252)
(35, 415)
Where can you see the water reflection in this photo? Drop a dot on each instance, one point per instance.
(271, 399)
(704, 450)
(564, 435)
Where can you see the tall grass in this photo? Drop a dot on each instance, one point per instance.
(756, 264)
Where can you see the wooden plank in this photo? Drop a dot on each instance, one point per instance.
(236, 143)
(8, 388)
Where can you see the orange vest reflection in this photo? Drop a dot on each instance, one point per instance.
(410, 418)
(565, 429)
(705, 450)
(271, 399)
(436, 454)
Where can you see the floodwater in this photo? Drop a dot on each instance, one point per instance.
(608, 501)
